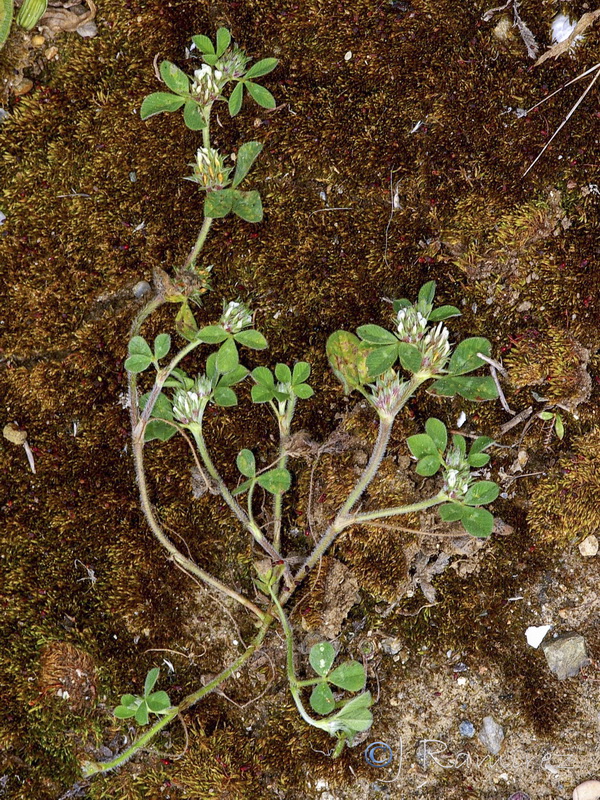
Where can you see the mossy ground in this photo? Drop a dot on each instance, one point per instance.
(94, 201)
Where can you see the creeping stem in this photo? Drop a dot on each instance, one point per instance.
(207, 222)
(284, 421)
(291, 672)
(91, 768)
(343, 518)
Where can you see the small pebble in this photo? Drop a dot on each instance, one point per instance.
(535, 634)
(491, 735)
(519, 796)
(588, 790)
(467, 729)
(25, 85)
(87, 30)
(38, 40)
(589, 546)
(566, 655)
(141, 289)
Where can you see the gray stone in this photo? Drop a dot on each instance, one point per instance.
(466, 729)
(140, 289)
(566, 655)
(491, 735)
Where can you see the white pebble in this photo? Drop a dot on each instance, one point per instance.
(588, 790)
(535, 634)
(589, 546)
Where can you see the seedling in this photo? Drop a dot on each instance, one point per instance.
(556, 422)
(141, 706)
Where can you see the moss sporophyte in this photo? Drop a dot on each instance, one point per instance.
(384, 365)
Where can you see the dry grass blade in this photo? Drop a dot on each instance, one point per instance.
(563, 47)
(566, 119)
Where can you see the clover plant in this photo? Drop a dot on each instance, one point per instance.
(140, 707)
(386, 366)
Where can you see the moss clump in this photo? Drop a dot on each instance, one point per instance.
(554, 363)
(566, 504)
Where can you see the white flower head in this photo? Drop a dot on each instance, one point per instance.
(210, 171)
(235, 317)
(410, 324)
(435, 348)
(189, 404)
(457, 475)
(388, 390)
(207, 84)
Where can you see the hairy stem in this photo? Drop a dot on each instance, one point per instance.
(185, 563)
(191, 259)
(382, 513)
(248, 523)
(291, 672)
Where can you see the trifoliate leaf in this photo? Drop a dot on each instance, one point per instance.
(275, 480)
(235, 99)
(218, 203)
(422, 445)
(162, 345)
(252, 339)
(301, 372)
(245, 158)
(225, 397)
(451, 512)
(478, 522)
(303, 391)
(137, 363)
(428, 465)
(261, 95)
(465, 359)
(482, 493)
(262, 67)
(247, 205)
(203, 43)
(150, 681)
(381, 359)
(437, 431)
(375, 334)
(223, 40)
(193, 115)
(283, 373)
(246, 463)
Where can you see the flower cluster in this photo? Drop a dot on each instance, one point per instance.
(388, 390)
(210, 172)
(457, 474)
(232, 63)
(435, 348)
(189, 405)
(235, 317)
(411, 325)
(207, 84)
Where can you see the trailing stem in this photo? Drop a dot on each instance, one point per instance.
(91, 768)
